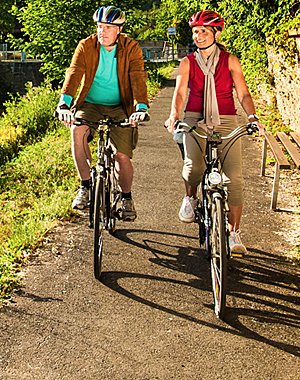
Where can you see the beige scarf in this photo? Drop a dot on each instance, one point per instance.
(211, 110)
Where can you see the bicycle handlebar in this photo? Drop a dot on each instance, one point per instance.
(105, 122)
(248, 128)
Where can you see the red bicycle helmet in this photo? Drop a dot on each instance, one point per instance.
(207, 18)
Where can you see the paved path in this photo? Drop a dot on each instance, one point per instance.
(152, 316)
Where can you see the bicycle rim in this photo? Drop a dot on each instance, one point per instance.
(99, 226)
(219, 257)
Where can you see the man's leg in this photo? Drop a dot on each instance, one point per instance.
(124, 172)
(81, 151)
(82, 159)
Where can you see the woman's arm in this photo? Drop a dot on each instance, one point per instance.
(180, 93)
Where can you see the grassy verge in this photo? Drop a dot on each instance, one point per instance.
(37, 190)
(38, 185)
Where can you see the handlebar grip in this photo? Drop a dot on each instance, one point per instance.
(252, 128)
(177, 122)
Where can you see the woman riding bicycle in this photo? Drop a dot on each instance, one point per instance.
(210, 73)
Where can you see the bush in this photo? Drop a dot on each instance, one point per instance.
(27, 118)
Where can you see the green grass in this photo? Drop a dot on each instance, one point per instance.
(37, 190)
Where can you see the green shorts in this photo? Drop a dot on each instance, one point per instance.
(123, 139)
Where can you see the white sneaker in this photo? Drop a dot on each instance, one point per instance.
(82, 198)
(237, 248)
(186, 212)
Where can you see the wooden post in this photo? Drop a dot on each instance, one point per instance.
(275, 187)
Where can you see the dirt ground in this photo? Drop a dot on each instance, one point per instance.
(151, 317)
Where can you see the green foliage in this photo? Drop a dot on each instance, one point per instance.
(157, 74)
(272, 121)
(36, 190)
(52, 30)
(249, 25)
(27, 119)
(6, 19)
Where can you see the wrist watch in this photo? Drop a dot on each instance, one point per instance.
(253, 116)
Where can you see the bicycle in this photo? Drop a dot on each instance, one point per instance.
(212, 209)
(104, 190)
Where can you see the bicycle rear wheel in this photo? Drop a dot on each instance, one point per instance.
(219, 248)
(99, 226)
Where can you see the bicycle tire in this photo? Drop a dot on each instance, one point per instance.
(219, 256)
(92, 197)
(99, 226)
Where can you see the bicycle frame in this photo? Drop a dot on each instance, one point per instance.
(212, 186)
(105, 167)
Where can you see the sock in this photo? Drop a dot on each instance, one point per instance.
(85, 183)
(126, 195)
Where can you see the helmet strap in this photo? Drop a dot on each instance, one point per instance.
(116, 40)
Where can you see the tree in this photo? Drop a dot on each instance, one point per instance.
(7, 20)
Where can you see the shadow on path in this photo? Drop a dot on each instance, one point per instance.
(249, 287)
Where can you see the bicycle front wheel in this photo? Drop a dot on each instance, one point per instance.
(92, 197)
(99, 226)
(219, 248)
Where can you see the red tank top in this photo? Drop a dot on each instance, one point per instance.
(223, 83)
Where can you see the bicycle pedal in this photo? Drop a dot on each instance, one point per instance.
(129, 219)
(237, 255)
(118, 214)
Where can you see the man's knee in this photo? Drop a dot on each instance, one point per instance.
(121, 157)
(79, 131)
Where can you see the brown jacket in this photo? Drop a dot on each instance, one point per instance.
(131, 73)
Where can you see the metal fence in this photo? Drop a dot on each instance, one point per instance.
(167, 53)
(7, 54)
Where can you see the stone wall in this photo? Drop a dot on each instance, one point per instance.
(287, 88)
(15, 74)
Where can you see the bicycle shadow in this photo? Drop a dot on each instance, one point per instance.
(251, 304)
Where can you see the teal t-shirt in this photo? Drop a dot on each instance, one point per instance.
(105, 88)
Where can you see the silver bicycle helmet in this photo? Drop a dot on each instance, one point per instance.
(109, 15)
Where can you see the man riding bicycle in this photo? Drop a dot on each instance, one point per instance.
(211, 73)
(110, 68)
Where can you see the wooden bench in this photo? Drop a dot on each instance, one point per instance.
(278, 145)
